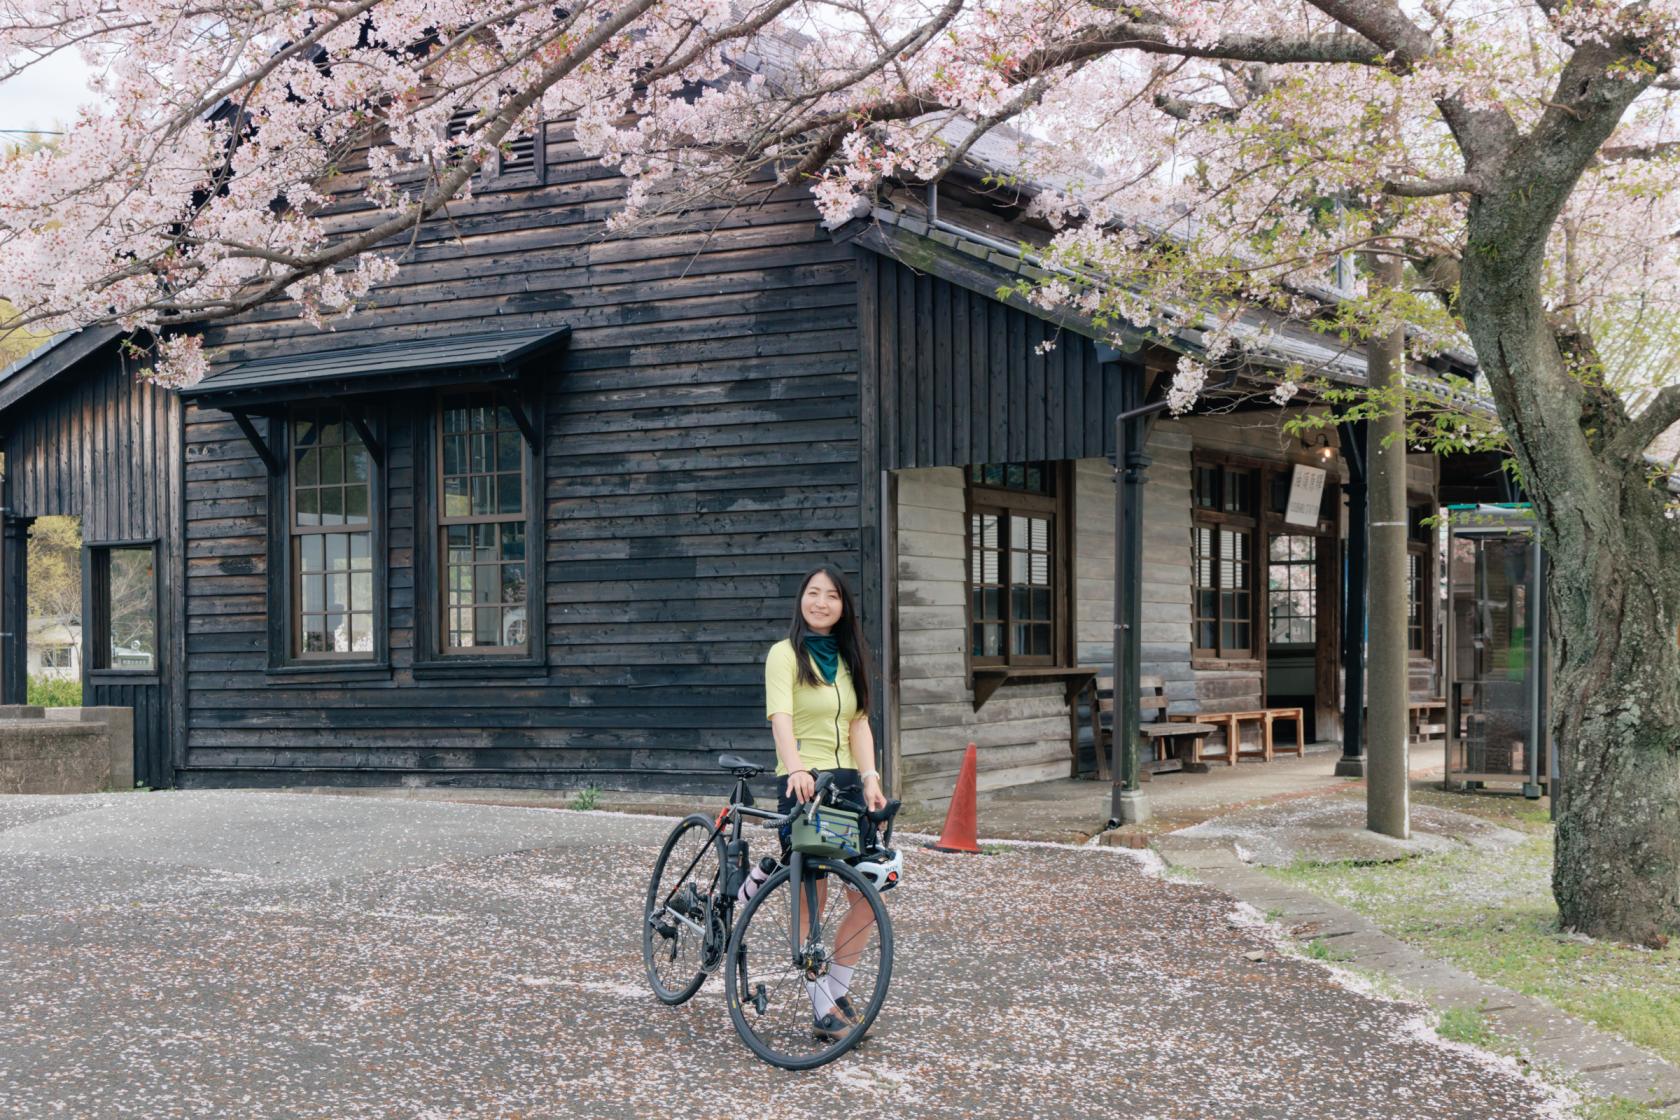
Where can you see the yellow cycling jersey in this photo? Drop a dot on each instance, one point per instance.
(822, 716)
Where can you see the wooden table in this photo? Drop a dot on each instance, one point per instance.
(1422, 733)
(1232, 723)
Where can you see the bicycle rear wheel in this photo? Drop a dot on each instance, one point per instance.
(770, 1001)
(684, 919)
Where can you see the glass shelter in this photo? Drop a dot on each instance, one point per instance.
(1496, 663)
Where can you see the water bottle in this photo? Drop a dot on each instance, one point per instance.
(766, 867)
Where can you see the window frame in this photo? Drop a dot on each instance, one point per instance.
(1310, 566)
(284, 601)
(1004, 502)
(97, 637)
(1218, 518)
(1424, 550)
(432, 657)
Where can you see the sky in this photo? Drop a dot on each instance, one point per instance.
(44, 96)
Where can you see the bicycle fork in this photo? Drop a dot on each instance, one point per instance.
(804, 939)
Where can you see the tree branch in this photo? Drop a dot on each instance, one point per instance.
(1384, 24)
(1193, 111)
(1660, 415)
(1152, 38)
(1614, 153)
(1428, 188)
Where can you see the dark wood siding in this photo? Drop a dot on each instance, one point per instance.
(700, 454)
(958, 377)
(103, 445)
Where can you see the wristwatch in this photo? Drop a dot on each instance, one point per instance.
(871, 774)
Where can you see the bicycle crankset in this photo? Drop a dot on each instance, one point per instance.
(716, 941)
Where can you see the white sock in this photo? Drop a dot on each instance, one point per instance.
(821, 1002)
(838, 981)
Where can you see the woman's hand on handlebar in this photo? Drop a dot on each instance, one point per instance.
(802, 784)
(873, 798)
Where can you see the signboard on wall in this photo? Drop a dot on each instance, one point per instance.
(1306, 495)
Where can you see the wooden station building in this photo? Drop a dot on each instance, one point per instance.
(534, 514)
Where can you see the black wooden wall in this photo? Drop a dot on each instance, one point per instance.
(701, 453)
(101, 444)
(957, 377)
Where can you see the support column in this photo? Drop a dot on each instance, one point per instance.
(1129, 803)
(1388, 790)
(1352, 762)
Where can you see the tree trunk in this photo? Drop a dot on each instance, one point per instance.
(1615, 715)
(1613, 593)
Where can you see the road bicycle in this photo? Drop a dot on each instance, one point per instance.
(790, 934)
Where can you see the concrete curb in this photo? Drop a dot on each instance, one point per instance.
(1602, 1064)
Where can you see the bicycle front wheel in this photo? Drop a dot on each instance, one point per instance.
(778, 999)
(684, 920)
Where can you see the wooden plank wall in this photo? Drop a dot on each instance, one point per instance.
(954, 377)
(700, 455)
(104, 445)
(959, 378)
(1022, 730)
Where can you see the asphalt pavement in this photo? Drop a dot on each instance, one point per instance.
(283, 955)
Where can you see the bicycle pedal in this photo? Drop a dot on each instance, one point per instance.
(760, 1002)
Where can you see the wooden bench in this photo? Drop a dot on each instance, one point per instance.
(1168, 738)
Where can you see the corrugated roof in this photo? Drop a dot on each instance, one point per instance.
(349, 368)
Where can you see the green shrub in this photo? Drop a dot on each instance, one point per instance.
(50, 692)
(587, 798)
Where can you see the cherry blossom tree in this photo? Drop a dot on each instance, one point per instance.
(1197, 161)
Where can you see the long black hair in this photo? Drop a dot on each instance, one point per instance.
(848, 637)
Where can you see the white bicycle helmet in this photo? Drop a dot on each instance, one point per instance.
(882, 867)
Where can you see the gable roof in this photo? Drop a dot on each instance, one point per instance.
(47, 361)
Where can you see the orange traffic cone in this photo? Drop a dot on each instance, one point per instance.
(960, 834)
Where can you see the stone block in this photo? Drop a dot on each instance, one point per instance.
(67, 753)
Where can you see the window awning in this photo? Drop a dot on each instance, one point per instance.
(420, 363)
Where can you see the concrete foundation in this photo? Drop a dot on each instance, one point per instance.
(66, 750)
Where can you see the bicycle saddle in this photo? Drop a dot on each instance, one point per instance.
(735, 764)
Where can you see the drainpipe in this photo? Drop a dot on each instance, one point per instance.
(1128, 803)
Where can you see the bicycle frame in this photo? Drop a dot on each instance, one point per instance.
(740, 809)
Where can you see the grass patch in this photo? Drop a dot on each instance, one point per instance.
(1320, 950)
(1492, 914)
(1619, 1108)
(1464, 1024)
(587, 798)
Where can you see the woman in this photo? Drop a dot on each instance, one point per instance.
(816, 692)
